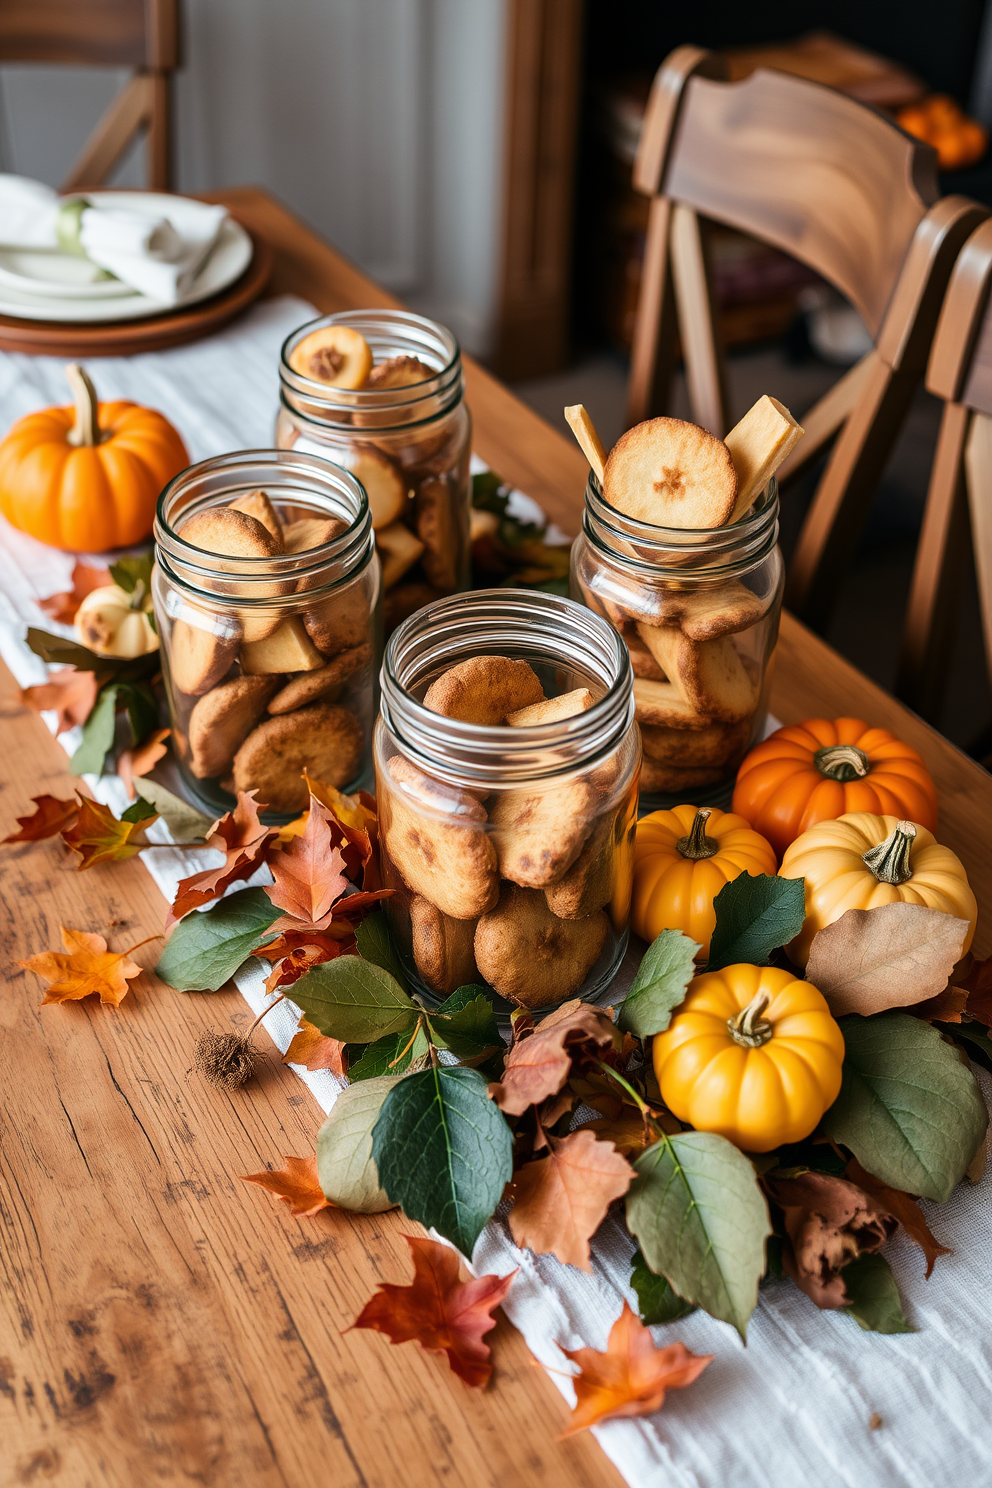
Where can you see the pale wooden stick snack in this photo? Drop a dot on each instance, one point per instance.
(589, 442)
(758, 444)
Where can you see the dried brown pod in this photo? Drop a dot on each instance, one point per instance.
(227, 1060)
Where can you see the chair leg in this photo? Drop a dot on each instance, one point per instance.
(158, 144)
(978, 475)
(822, 421)
(938, 571)
(653, 351)
(111, 137)
(699, 324)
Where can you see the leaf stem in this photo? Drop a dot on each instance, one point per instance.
(147, 941)
(638, 1099)
(279, 999)
(410, 1042)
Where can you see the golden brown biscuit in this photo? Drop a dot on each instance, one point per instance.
(222, 719)
(309, 686)
(671, 474)
(436, 528)
(324, 739)
(642, 662)
(233, 534)
(662, 702)
(435, 837)
(312, 532)
(484, 689)
(709, 675)
(588, 884)
(530, 956)
(674, 779)
(709, 611)
(552, 710)
(200, 656)
(399, 372)
(765, 436)
(257, 504)
(695, 748)
(335, 355)
(398, 551)
(340, 622)
(443, 948)
(539, 835)
(385, 486)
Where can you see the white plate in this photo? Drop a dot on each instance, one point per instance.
(52, 274)
(113, 301)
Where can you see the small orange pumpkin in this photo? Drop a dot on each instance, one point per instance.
(819, 770)
(87, 477)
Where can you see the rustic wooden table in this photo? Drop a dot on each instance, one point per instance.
(161, 1320)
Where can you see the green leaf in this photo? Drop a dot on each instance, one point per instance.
(355, 1001)
(142, 709)
(207, 947)
(466, 1023)
(444, 1151)
(127, 573)
(58, 650)
(141, 810)
(656, 1302)
(98, 734)
(875, 1302)
(908, 1108)
(979, 1044)
(660, 984)
(345, 1168)
(375, 944)
(386, 1056)
(702, 1221)
(755, 914)
(185, 823)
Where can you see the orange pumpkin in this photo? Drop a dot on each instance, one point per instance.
(87, 477)
(818, 770)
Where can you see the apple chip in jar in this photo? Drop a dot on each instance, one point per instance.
(671, 473)
(336, 355)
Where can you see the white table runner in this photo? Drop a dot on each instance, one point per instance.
(793, 1407)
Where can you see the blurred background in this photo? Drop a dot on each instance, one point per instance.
(475, 157)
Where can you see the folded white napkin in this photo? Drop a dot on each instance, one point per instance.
(159, 256)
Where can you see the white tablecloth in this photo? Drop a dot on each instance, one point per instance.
(793, 1408)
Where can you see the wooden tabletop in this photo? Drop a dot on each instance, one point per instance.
(162, 1321)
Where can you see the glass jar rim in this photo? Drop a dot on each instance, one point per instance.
(310, 476)
(554, 629)
(385, 328)
(720, 552)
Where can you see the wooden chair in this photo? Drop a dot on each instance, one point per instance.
(960, 492)
(142, 34)
(835, 185)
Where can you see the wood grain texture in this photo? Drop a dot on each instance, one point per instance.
(699, 320)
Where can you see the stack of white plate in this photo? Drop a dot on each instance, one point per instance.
(45, 284)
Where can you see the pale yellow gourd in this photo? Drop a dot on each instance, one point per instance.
(112, 622)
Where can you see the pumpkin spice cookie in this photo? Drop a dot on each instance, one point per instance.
(309, 686)
(674, 779)
(398, 550)
(713, 745)
(552, 710)
(708, 612)
(540, 835)
(663, 703)
(710, 675)
(312, 532)
(257, 504)
(338, 623)
(443, 948)
(384, 484)
(399, 372)
(530, 956)
(484, 689)
(200, 655)
(435, 838)
(235, 534)
(588, 884)
(222, 719)
(324, 739)
(671, 474)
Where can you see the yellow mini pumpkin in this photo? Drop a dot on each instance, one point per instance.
(861, 861)
(87, 478)
(682, 859)
(752, 1054)
(112, 622)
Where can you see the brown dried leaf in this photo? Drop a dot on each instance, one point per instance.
(314, 1051)
(69, 692)
(84, 968)
(296, 1184)
(978, 985)
(559, 1201)
(903, 1207)
(892, 956)
(243, 840)
(308, 872)
(829, 1222)
(946, 1007)
(48, 820)
(99, 837)
(541, 1058)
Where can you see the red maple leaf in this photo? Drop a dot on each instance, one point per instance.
(296, 1184)
(70, 693)
(631, 1377)
(48, 820)
(440, 1311)
(243, 840)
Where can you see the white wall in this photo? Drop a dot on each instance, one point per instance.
(378, 121)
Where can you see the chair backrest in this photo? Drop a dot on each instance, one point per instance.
(142, 34)
(834, 184)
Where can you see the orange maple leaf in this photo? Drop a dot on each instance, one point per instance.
(243, 840)
(70, 693)
(49, 819)
(315, 1051)
(85, 579)
(540, 1060)
(85, 967)
(631, 1377)
(132, 763)
(440, 1311)
(903, 1207)
(353, 828)
(308, 872)
(99, 837)
(296, 1184)
(561, 1200)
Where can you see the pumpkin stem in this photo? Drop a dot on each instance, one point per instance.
(697, 845)
(85, 431)
(842, 762)
(749, 1028)
(889, 861)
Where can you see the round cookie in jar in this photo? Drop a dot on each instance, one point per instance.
(679, 552)
(267, 603)
(506, 766)
(381, 393)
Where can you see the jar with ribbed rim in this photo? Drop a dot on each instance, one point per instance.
(699, 612)
(508, 844)
(267, 603)
(405, 432)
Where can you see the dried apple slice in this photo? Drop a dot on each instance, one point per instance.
(335, 355)
(384, 484)
(758, 444)
(287, 649)
(671, 474)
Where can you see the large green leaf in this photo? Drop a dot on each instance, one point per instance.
(185, 823)
(387, 1056)
(355, 1001)
(656, 1302)
(141, 704)
(908, 1108)
(98, 734)
(345, 1167)
(755, 914)
(466, 1023)
(207, 947)
(701, 1221)
(375, 944)
(444, 1151)
(660, 984)
(875, 1303)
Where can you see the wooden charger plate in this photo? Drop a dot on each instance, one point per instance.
(153, 333)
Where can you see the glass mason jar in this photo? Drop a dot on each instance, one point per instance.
(509, 848)
(269, 661)
(409, 445)
(699, 611)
